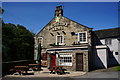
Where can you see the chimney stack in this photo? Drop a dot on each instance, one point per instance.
(58, 11)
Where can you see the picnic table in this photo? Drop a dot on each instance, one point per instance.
(33, 66)
(57, 69)
(21, 69)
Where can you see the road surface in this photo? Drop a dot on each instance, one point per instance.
(88, 76)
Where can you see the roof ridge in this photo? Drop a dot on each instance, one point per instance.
(107, 29)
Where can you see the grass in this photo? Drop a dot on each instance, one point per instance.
(117, 68)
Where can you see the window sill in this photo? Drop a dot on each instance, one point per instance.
(79, 43)
(61, 44)
(83, 42)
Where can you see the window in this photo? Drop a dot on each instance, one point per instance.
(82, 37)
(59, 40)
(40, 40)
(65, 60)
(108, 41)
(116, 53)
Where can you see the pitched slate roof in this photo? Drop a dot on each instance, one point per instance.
(108, 33)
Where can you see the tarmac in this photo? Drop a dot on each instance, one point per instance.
(46, 73)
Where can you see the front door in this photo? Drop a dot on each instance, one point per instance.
(53, 59)
(79, 62)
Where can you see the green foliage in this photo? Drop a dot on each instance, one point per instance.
(17, 43)
(117, 68)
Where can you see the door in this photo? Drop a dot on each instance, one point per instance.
(79, 62)
(53, 59)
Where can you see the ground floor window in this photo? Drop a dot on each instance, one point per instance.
(65, 60)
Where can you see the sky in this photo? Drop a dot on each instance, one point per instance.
(35, 15)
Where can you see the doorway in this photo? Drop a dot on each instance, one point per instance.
(79, 62)
(53, 59)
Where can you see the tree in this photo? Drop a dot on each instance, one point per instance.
(17, 43)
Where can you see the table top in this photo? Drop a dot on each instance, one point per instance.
(56, 67)
(32, 64)
(21, 66)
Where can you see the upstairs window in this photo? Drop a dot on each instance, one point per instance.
(82, 37)
(116, 53)
(59, 40)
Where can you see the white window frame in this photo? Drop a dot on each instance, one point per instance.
(65, 63)
(62, 40)
(79, 37)
(41, 40)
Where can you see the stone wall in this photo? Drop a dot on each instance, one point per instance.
(73, 67)
(49, 35)
(65, 27)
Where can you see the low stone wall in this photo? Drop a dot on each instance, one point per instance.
(6, 66)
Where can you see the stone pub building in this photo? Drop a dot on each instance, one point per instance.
(67, 43)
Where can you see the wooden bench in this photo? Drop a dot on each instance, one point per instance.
(21, 69)
(56, 69)
(33, 66)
